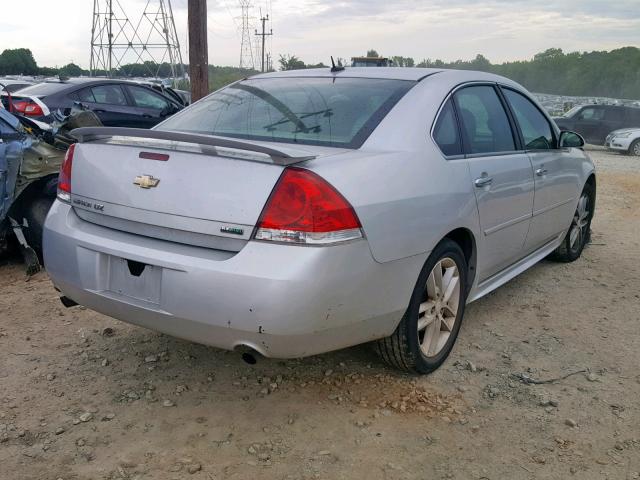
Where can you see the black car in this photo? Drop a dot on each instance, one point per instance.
(118, 103)
(595, 122)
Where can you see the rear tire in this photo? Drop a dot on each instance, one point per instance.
(579, 233)
(429, 328)
(634, 149)
(36, 213)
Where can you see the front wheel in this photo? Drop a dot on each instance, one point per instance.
(634, 149)
(580, 230)
(426, 334)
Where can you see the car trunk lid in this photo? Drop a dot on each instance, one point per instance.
(178, 187)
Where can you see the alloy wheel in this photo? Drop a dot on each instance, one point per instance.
(580, 223)
(636, 149)
(439, 308)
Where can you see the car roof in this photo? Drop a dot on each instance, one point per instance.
(87, 80)
(415, 74)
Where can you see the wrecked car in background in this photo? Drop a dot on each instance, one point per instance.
(30, 157)
(117, 103)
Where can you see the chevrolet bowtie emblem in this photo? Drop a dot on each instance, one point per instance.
(146, 181)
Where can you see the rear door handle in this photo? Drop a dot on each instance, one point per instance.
(541, 172)
(483, 181)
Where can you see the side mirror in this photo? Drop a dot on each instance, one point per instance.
(571, 140)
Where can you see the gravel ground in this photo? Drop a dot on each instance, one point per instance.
(83, 396)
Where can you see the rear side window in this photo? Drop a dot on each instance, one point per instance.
(85, 95)
(146, 99)
(109, 94)
(340, 112)
(535, 128)
(446, 133)
(485, 125)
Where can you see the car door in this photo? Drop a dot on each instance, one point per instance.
(588, 122)
(614, 119)
(556, 178)
(501, 175)
(150, 107)
(109, 102)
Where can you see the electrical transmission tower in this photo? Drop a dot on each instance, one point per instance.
(150, 47)
(246, 52)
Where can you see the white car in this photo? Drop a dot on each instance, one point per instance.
(626, 140)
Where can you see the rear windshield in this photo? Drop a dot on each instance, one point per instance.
(45, 88)
(337, 112)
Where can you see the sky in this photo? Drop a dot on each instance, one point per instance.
(59, 32)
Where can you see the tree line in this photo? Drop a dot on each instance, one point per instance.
(599, 73)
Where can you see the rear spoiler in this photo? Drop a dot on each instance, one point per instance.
(87, 134)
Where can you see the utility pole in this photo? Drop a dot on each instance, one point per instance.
(110, 34)
(198, 50)
(264, 35)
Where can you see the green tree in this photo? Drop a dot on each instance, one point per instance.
(290, 62)
(403, 61)
(72, 70)
(372, 53)
(18, 61)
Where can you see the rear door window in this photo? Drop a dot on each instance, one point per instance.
(614, 114)
(634, 116)
(446, 133)
(109, 94)
(591, 113)
(484, 121)
(147, 99)
(85, 95)
(536, 130)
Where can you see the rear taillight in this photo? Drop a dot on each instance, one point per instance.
(305, 209)
(27, 107)
(64, 178)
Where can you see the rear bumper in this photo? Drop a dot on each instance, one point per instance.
(283, 301)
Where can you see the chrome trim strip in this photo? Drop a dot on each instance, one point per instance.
(506, 224)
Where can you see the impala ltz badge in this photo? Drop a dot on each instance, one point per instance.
(146, 181)
(233, 230)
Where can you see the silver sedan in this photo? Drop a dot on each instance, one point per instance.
(294, 213)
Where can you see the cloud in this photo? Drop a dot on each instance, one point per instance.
(58, 32)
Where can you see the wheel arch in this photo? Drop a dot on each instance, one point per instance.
(467, 242)
(42, 187)
(591, 180)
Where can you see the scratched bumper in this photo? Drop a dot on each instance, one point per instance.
(283, 301)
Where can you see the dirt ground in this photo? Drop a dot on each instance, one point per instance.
(83, 396)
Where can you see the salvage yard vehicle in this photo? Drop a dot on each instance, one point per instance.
(295, 213)
(116, 102)
(30, 158)
(594, 122)
(626, 140)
